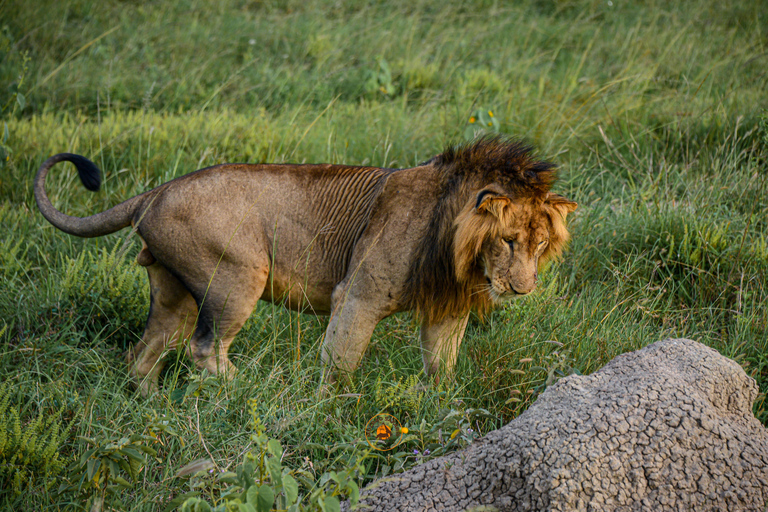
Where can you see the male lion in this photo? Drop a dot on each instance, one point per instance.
(466, 230)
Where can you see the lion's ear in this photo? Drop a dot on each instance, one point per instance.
(556, 207)
(561, 204)
(492, 202)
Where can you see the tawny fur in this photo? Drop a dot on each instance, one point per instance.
(466, 230)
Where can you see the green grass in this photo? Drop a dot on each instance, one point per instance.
(655, 112)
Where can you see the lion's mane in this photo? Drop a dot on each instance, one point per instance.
(444, 279)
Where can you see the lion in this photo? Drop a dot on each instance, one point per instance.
(467, 230)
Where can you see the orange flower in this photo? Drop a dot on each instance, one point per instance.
(472, 120)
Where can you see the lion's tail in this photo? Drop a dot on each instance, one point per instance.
(100, 224)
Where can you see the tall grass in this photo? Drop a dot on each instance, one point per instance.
(654, 111)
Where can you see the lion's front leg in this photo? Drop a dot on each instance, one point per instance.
(346, 339)
(349, 330)
(440, 343)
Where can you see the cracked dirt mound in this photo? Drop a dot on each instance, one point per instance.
(669, 427)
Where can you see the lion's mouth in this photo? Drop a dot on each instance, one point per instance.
(500, 296)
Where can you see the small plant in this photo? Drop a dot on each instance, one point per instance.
(13, 251)
(455, 430)
(261, 484)
(108, 468)
(29, 453)
(557, 365)
(15, 100)
(380, 79)
(105, 288)
(199, 384)
(481, 121)
(763, 127)
(405, 394)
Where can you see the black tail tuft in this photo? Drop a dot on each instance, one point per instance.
(89, 174)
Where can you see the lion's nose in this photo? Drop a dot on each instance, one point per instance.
(523, 291)
(524, 288)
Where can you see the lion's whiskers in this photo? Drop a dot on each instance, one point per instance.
(483, 287)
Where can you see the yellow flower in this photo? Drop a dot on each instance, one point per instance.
(490, 113)
(472, 120)
(490, 123)
(404, 430)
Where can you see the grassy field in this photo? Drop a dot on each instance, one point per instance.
(655, 112)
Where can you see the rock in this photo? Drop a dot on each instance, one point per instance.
(669, 427)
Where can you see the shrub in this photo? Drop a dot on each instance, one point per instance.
(29, 449)
(106, 290)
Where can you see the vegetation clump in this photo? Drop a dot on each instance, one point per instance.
(30, 454)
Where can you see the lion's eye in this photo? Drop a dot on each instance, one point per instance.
(508, 241)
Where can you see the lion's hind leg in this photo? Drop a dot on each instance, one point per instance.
(224, 309)
(172, 316)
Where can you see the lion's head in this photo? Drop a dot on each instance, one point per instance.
(509, 240)
(495, 226)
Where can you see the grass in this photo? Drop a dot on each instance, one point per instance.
(655, 113)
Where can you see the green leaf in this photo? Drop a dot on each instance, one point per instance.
(332, 504)
(228, 478)
(133, 453)
(273, 465)
(93, 467)
(354, 491)
(87, 455)
(291, 488)
(123, 482)
(125, 466)
(114, 467)
(148, 449)
(179, 501)
(21, 100)
(245, 473)
(252, 496)
(274, 448)
(177, 396)
(195, 505)
(266, 498)
(5, 133)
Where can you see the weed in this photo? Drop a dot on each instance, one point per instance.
(30, 452)
(107, 468)
(106, 290)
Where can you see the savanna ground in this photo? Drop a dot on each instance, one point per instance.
(655, 112)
